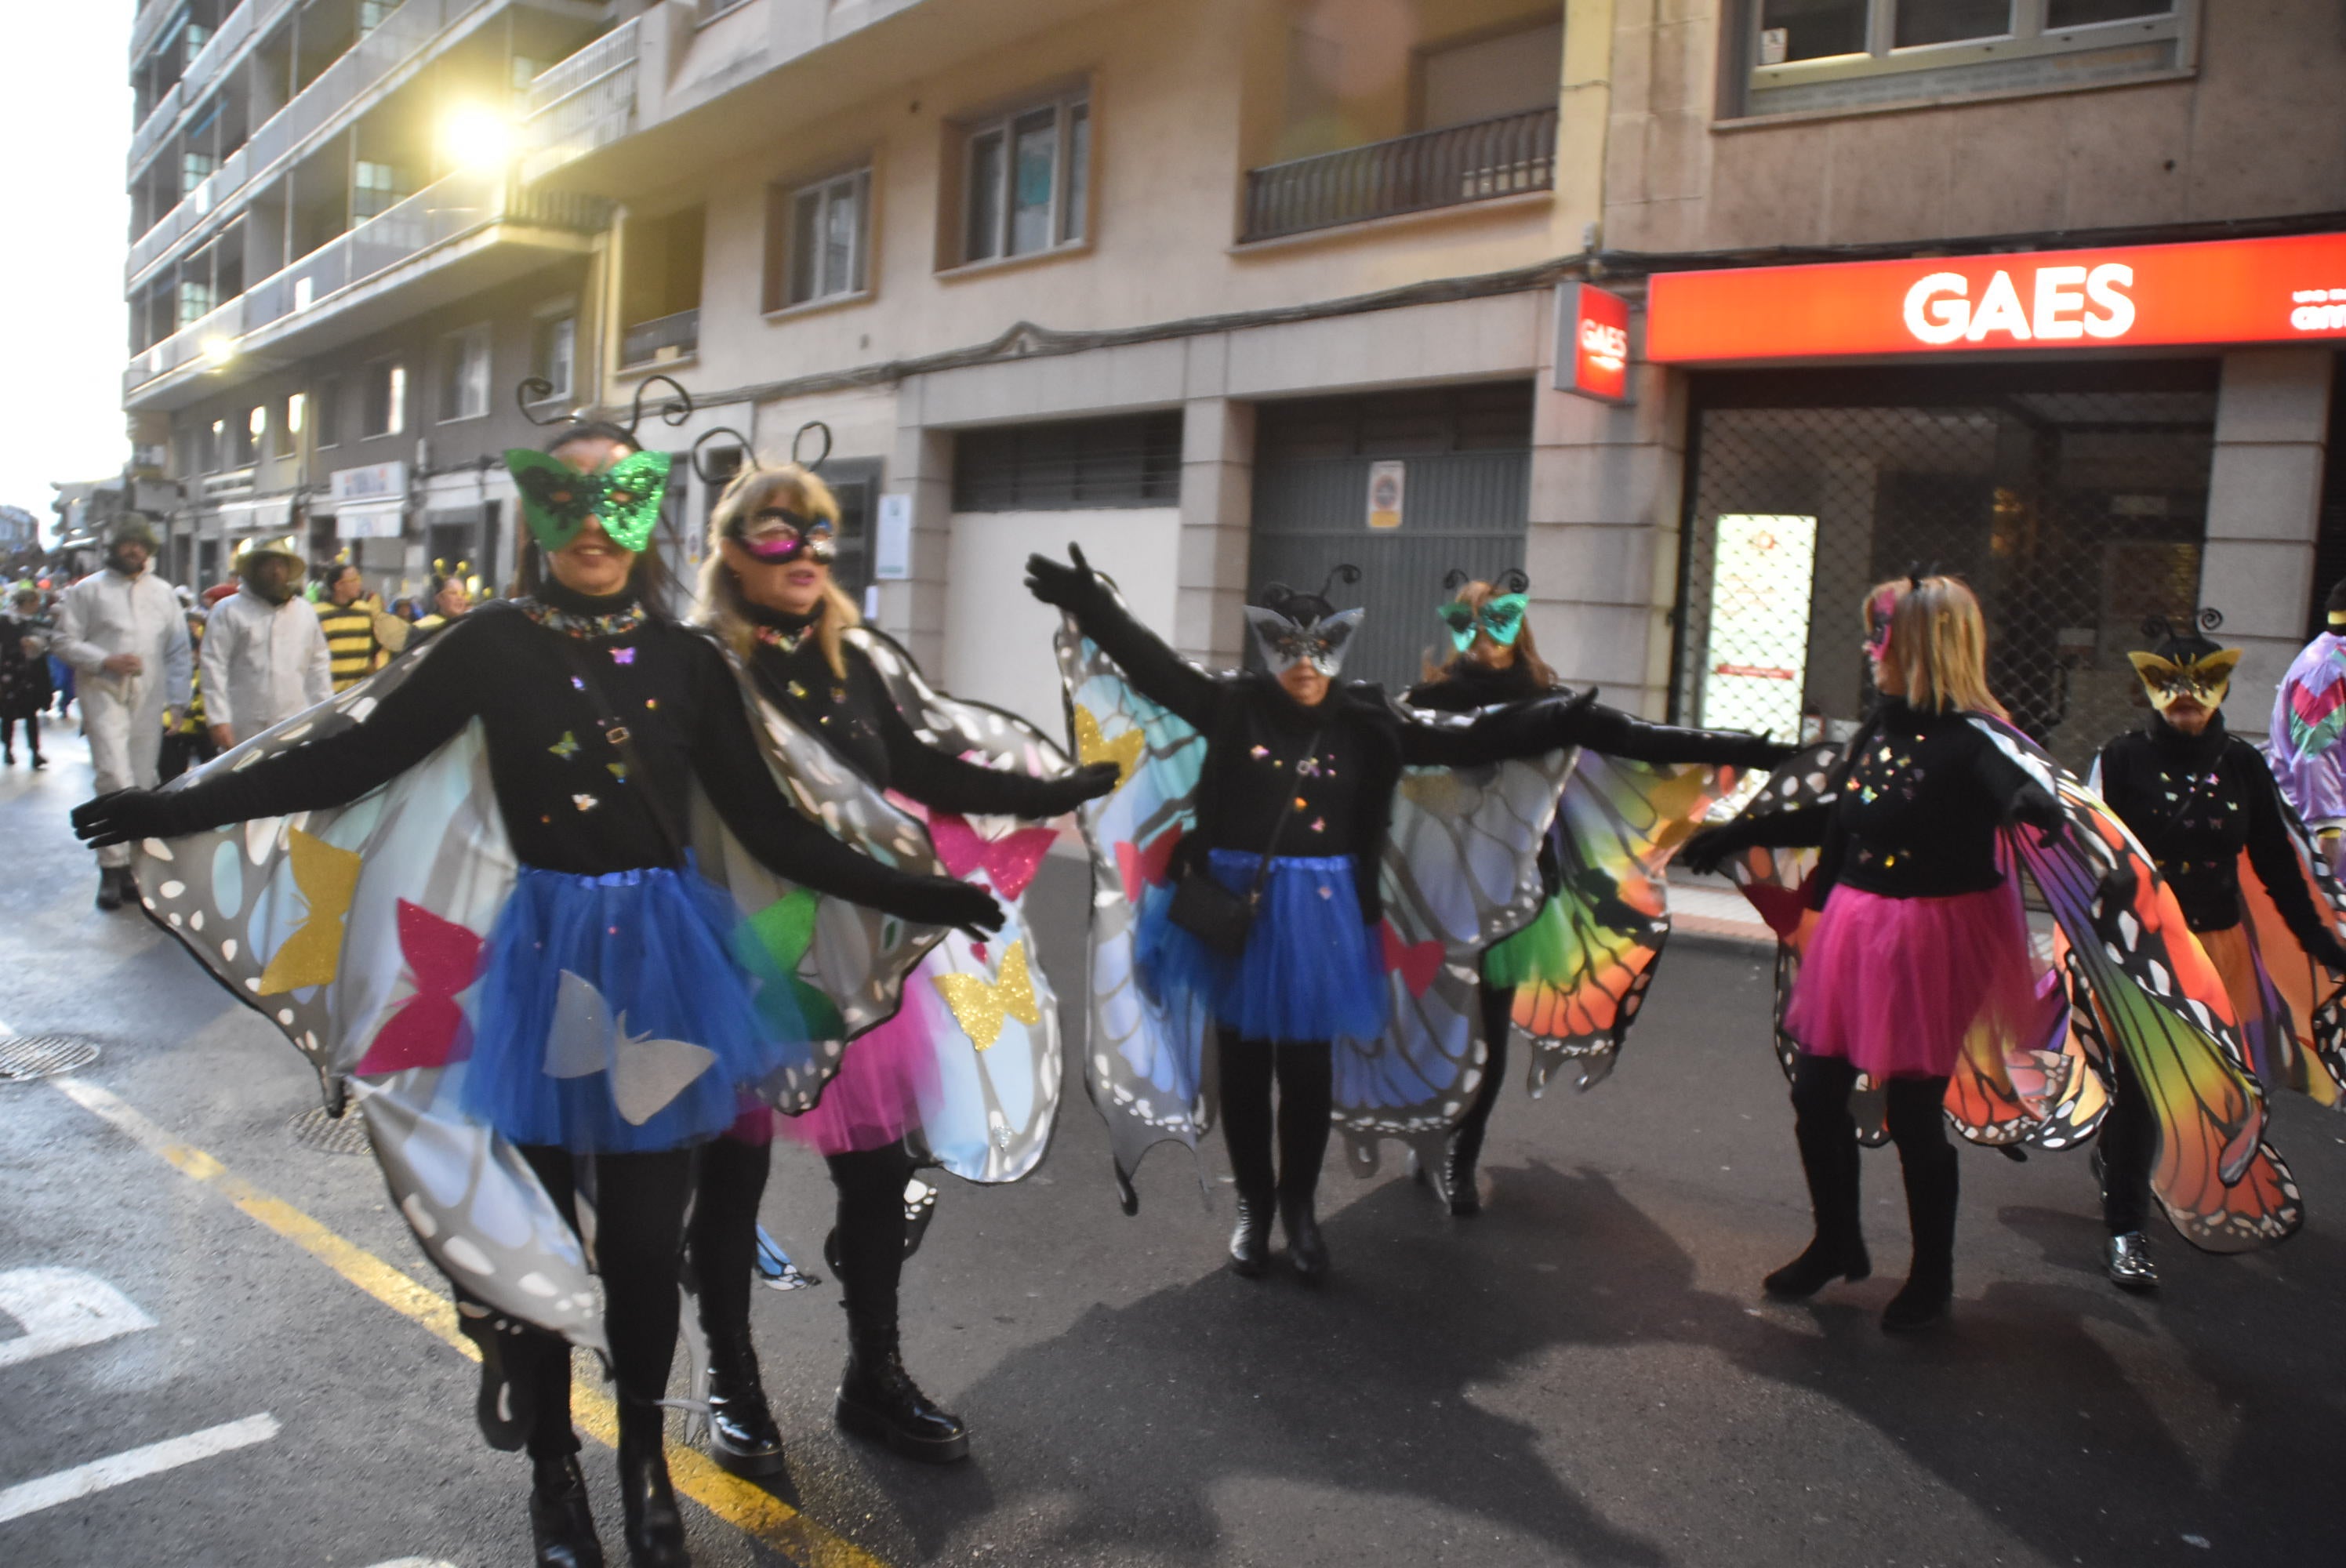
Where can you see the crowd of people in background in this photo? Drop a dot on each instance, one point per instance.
(168, 677)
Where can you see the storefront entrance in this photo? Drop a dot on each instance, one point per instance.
(2073, 498)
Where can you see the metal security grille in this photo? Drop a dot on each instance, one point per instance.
(2073, 499)
(1068, 465)
(1466, 483)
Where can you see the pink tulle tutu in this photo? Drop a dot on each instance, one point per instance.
(875, 1099)
(1893, 985)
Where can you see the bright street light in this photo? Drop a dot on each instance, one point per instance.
(476, 137)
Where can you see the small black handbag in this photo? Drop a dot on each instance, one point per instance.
(1212, 913)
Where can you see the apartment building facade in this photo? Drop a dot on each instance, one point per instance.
(1236, 290)
(336, 281)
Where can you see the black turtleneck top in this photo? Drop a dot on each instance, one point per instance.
(1916, 806)
(2197, 802)
(857, 717)
(1338, 761)
(550, 679)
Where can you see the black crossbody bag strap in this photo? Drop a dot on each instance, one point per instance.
(615, 732)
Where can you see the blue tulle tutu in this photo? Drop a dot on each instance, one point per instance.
(612, 1017)
(1311, 969)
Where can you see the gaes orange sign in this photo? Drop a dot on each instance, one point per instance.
(2290, 289)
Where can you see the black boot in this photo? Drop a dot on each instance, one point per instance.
(878, 1399)
(655, 1528)
(1307, 1249)
(561, 1526)
(742, 1437)
(1251, 1240)
(1930, 1288)
(110, 888)
(1458, 1170)
(1837, 1251)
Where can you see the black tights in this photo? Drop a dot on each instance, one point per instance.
(2128, 1142)
(723, 1234)
(639, 1202)
(1306, 1071)
(1498, 1004)
(32, 732)
(1821, 1086)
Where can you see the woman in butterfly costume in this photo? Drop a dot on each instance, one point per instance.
(2204, 807)
(1887, 869)
(1496, 661)
(614, 1029)
(1268, 923)
(767, 593)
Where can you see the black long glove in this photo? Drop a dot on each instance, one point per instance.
(1708, 849)
(1088, 782)
(126, 815)
(1069, 587)
(945, 900)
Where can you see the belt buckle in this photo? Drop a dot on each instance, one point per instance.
(616, 735)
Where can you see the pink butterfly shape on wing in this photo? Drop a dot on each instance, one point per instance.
(1011, 860)
(1144, 865)
(429, 1029)
(1417, 965)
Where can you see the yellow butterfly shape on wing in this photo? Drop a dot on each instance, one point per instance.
(1092, 747)
(979, 1004)
(327, 878)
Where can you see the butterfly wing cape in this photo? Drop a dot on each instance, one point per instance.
(2300, 1043)
(2136, 983)
(1459, 870)
(1616, 827)
(358, 931)
(998, 1056)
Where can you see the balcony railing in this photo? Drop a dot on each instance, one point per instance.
(450, 209)
(659, 341)
(405, 34)
(250, 20)
(582, 103)
(1448, 168)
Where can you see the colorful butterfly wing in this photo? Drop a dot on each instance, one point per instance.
(1616, 828)
(2303, 1044)
(850, 964)
(1143, 1060)
(421, 868)
(2152, 994)
(995, 1108)
(1460, 871)
(1776, 880)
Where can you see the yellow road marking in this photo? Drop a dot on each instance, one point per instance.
(746, 1507)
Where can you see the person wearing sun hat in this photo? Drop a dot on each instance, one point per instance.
(264, 657)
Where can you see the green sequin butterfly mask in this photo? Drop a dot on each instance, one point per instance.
(556, 499)
(1502, 618)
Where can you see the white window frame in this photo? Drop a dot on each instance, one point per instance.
(855, 186)
(2031, 38)
(542, 365)
(1070, 220)
(469, 350)
(392, 375)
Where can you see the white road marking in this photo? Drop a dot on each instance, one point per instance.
(98, 1475)
(416, 1563)
(62, 1309)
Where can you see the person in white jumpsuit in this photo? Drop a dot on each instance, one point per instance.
(123, 631)
(265, 655)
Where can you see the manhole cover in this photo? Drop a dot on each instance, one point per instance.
(316, 1130)
(44, 1056)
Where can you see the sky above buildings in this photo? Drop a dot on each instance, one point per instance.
(66, 97)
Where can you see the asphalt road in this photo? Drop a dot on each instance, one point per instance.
(1586, 1374)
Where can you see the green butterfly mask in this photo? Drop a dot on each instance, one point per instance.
(1502, 618)
(556, 499)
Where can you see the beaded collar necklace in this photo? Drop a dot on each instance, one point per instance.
(775, 638)
(573, 623)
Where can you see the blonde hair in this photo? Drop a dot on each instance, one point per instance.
(1474, 595)
(1938, 642)
(723, 607)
